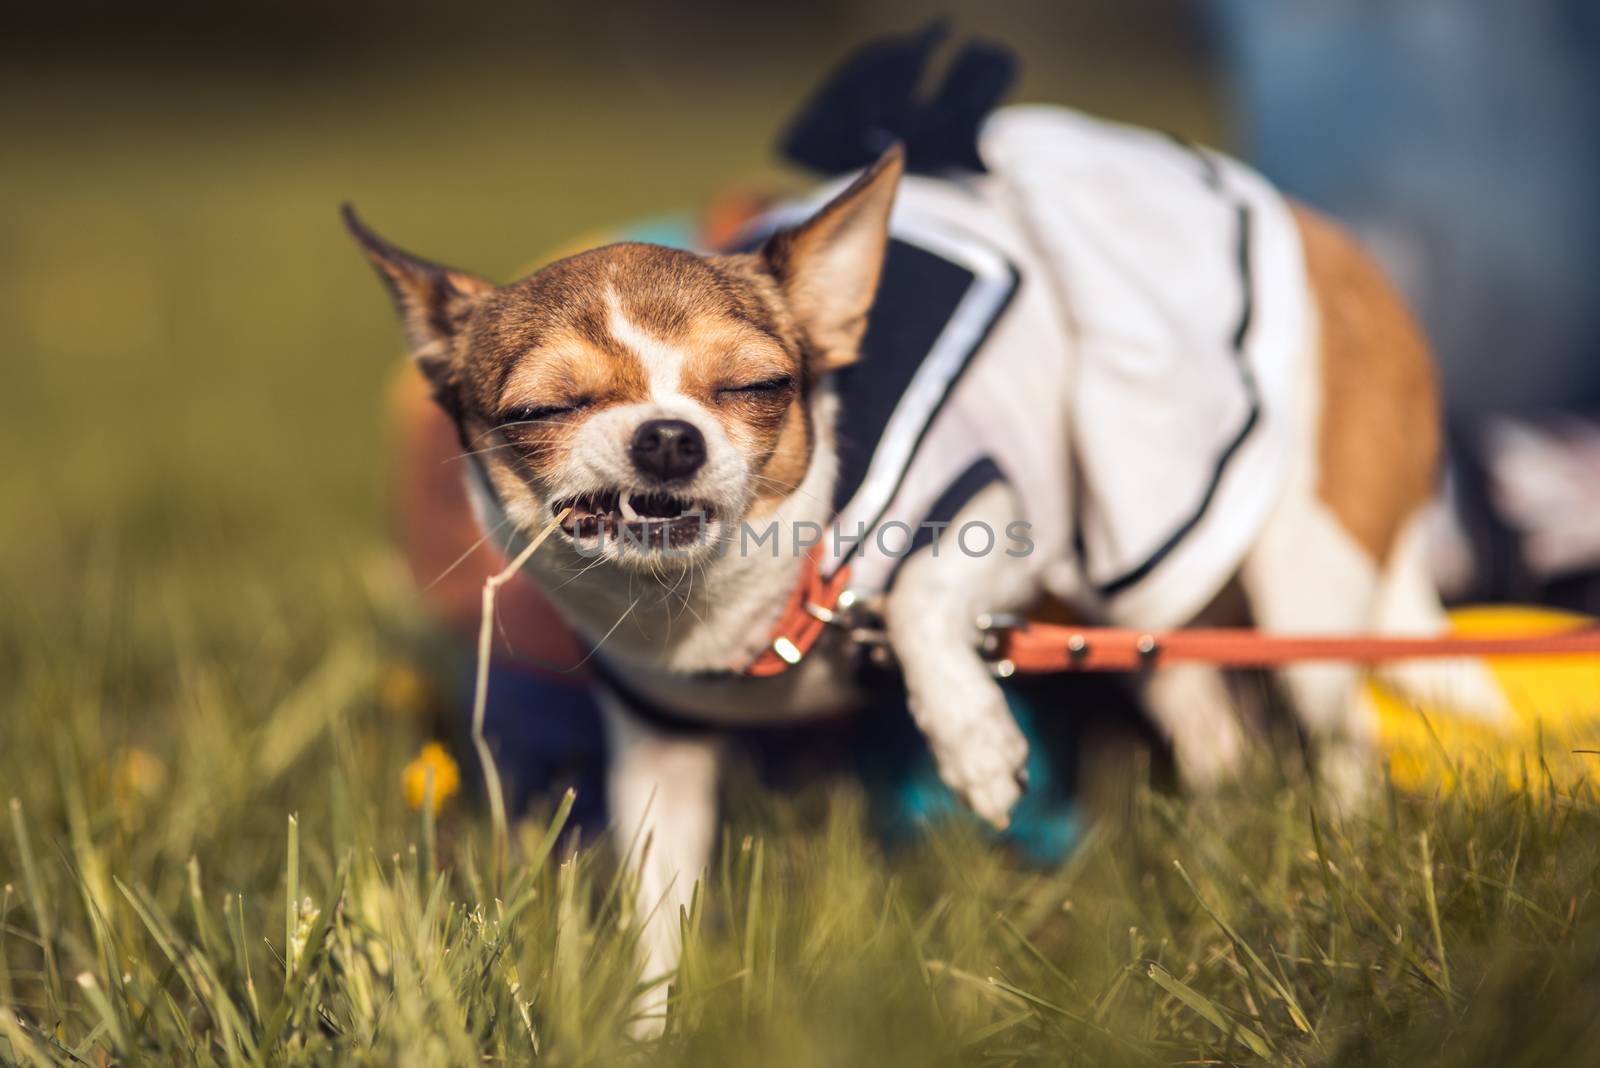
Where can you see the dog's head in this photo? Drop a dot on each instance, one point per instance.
(662, 396)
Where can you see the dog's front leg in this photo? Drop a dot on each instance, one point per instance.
(932, 615)
(662, 790)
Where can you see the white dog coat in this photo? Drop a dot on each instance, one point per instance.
(1111, 321)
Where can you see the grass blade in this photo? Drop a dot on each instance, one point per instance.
(1207, 1010)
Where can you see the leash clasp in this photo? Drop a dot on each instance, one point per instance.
(994, 628)
(850, 612)
(859, 618)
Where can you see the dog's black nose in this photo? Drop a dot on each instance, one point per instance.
(668, 449)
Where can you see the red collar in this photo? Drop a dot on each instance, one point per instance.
(804, 618)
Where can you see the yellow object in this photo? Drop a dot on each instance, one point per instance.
(138, 781)
(435, 760)
(1555, 716)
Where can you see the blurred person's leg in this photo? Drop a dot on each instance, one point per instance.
(1461, 140)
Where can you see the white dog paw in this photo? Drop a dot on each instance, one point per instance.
(1464, 687)
(985, 761)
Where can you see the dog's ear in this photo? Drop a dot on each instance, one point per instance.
(433, 301)
(828, 266)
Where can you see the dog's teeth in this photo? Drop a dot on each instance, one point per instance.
(625, 505)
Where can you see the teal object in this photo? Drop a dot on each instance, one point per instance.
(908, 797)
(673, 231)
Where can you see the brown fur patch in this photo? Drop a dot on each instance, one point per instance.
(786, 462)
(722, 354)
(783, 419)
(1378, 441)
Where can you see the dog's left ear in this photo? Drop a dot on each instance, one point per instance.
(433, 301)
(828, 266)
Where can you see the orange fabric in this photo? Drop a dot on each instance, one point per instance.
(1042, 647)
(730, 211)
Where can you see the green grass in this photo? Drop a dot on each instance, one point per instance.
(183, 917)
(204, 706)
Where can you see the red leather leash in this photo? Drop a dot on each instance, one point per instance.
(1017, 645)
(1044, 647)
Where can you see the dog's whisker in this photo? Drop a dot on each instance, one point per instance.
(582, 571)
(474, 547)
(507, 426)
(780, 484)
(666, 596)
(626, 612)
(687, 605)
(532, 450)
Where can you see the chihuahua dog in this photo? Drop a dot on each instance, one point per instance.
(692, 420)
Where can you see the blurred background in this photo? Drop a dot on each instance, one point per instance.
(192, 345)
(196, 358)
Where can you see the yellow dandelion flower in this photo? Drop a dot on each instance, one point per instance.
(434, 759)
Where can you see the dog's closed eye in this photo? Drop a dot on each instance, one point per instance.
(766, 385)
(542, 413)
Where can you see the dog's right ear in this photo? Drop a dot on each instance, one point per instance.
(828, 266)
(433, 301)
